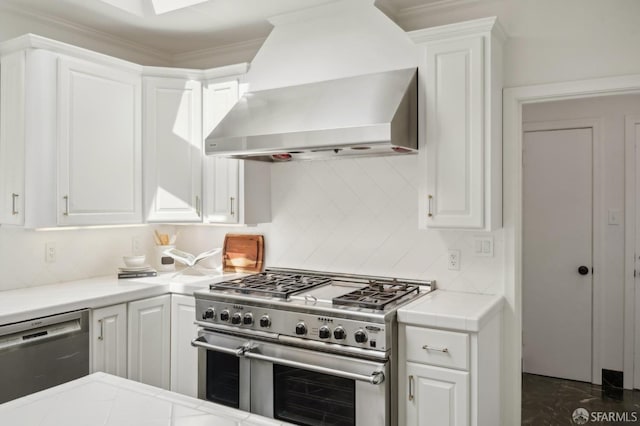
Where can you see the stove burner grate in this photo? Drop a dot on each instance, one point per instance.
(377, 295)
(279, 285)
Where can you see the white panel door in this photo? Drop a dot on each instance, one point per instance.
(454, 148)
(109, 340)
(437, 396)
(99, 144)
(221, 174)
(12, 138)
(173, 149)
(558, 240)
(149, 341)
(184, 357)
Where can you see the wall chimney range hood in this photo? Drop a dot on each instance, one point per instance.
(335, 80)
(367, 115)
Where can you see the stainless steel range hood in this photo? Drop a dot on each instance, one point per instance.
(367, 115)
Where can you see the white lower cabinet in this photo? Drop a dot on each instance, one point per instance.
(437, 396)
(449, 377)
(149, 322)
(109, 340)
(184, 357)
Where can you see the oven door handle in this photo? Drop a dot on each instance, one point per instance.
(201, 342)
(376, 378)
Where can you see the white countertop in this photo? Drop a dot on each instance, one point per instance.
(34, 302)
(102, 399)
(452, 310)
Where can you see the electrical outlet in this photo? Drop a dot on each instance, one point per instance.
(135, 245)
(50, 254)
(454, 260)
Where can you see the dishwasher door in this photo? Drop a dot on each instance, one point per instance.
(43, 352)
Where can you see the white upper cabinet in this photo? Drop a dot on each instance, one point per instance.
(99, 144)
(12, 133)
(173, 149)
(236, 191)
(460, 125)
(70, 142)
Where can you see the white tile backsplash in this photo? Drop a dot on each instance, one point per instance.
(359, 216)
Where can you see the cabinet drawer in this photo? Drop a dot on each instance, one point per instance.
(437, 347)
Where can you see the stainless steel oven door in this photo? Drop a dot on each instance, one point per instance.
(296, 385)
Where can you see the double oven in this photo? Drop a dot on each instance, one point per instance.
(303, 347)
(296, 385)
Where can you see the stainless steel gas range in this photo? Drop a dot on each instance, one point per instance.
(304, 347)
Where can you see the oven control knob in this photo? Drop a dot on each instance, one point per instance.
(236, 318)
(265, 321)
(301, 329)
(224, 315)
(361, 336)
(209, 314)
(247, 319)
(324, 332)
(339, 333)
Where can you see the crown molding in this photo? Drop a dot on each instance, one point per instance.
(460, 29)
(388, 8)
(101, 36)
(432, 7)
(246, 48)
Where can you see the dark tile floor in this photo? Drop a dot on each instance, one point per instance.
(551, 401)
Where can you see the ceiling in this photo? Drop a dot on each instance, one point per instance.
(205, 25)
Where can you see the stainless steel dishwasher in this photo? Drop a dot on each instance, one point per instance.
(43, 352)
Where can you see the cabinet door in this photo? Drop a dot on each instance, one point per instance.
(12, 138)
(99, 144)
(173, 149)
(109, 340)
(223, 190)
(452, 154)
(221, 174)
(184, 357)
(149, 341)
(436, 396)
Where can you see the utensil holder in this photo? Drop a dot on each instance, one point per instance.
(162, 262)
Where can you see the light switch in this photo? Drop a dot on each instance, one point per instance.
(483, 246)
(614, 217)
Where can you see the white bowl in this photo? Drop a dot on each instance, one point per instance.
(133, 261)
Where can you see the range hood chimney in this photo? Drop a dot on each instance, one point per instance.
(330, 81)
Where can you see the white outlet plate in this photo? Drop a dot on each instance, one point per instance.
(50, 254)
(136, 245)
(453, 260)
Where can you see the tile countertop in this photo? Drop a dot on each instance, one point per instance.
(451, 309)
(34, 302)
(102, 399)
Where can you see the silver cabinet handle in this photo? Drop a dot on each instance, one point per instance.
(197, 205)
(14, 210)
(66, 205)
(201, 342)
(101, 336)
(410, 388)
(431, 348)
(232, 201)
(430, 213)
(376, 378)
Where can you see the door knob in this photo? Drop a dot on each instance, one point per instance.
(583, 270)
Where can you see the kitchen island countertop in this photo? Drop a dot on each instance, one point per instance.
(34, 302)
(103, 399)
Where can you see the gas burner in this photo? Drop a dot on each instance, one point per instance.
(280, 285)
(377, 295)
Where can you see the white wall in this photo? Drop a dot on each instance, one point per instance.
(610, 111)
(359, 216)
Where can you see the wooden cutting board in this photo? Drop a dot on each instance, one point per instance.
(243, 253)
